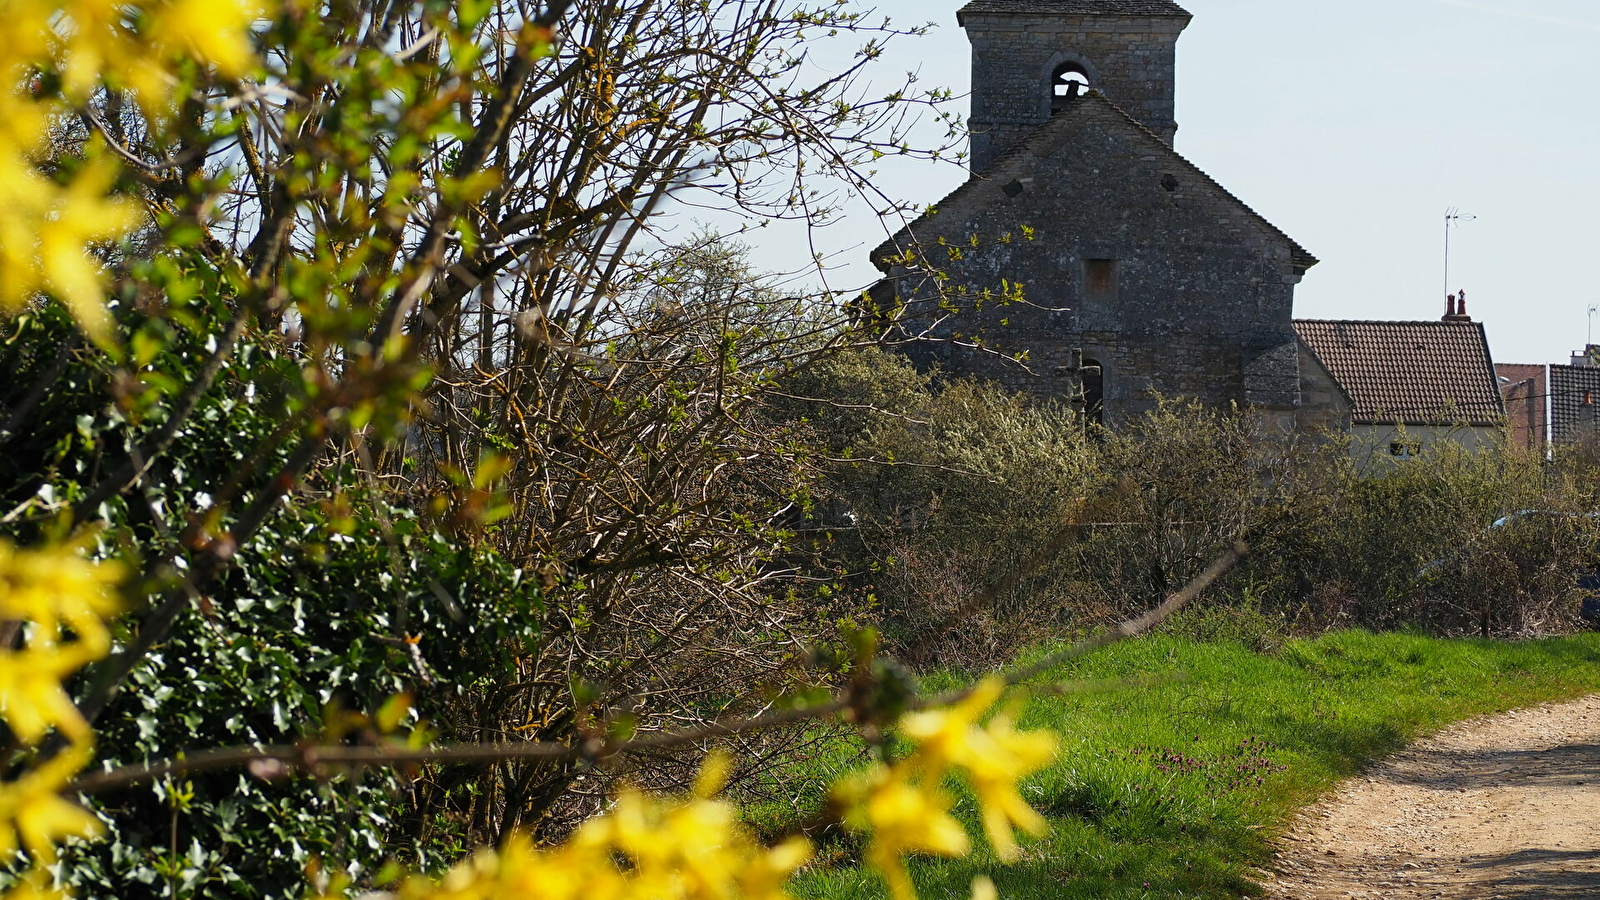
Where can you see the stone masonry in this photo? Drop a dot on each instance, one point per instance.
(1018, 47)
(1117, 245)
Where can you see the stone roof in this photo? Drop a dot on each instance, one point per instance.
(1160, 8)
(903, 238)
(1416, 373)
(1570, 417)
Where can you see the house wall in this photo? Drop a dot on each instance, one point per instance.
(1202, 295)
(1324, 408)
(1373, 444)
(1524, 389)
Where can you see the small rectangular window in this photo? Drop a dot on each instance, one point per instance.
(1100, 279)
(1405, 449)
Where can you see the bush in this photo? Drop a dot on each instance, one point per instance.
(958, 503)
(985, 519)
(298, 640)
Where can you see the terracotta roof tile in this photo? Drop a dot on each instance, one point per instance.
(1571, 418)
(1161, 8)
(1418, 373)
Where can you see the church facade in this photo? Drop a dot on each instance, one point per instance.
(1083, 237)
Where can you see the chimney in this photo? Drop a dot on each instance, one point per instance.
(1456, 311)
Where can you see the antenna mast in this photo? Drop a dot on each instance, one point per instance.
(1451, 216)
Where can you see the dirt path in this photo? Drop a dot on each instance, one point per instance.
(1504, 807)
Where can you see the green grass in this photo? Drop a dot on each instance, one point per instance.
(1176, 790)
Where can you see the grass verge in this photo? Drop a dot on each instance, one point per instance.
(1175, 790)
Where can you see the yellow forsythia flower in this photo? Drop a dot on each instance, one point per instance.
(56, 591)
(943, 736)
(692, 849)
(217, 31)
(56, 586)
(47, 230)
(903, 815)
(995, 756)
(764, 876)
(1003, 757)
(33, 815)
(24, 123)
(101, 43)
(32, 700)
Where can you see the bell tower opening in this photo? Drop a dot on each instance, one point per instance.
(1067, 83)
(1031, 58)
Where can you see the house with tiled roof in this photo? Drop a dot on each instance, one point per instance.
(1553, 405)
(1084, 253)
(1575, 403)
(1397, 387)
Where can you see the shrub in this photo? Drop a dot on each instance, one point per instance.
(986, 519)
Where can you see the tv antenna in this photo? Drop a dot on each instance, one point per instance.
(1451, 216)
(1594, 310)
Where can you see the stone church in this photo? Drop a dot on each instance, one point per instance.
(1082, 235)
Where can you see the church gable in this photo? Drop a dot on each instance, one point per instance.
(1093, 144)
(1084, 247)
(1122, 249)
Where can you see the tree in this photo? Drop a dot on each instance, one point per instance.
(377, 304)
(357, 371)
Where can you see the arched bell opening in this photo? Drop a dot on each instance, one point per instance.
(1067, 83)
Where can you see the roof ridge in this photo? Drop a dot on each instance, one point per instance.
(1303, 253)
(1150, 8)
(1390, 322)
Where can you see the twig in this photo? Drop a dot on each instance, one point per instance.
(1134, 627)
(312, 757)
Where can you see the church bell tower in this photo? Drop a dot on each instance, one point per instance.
(1031, 57)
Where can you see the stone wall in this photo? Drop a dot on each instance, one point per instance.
(1131, 60)
(1196, 303)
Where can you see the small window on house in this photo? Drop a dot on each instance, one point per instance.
(1067, 83)
(1100, 279)
(1405, 449)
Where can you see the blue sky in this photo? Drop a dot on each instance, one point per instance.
(1353, 126)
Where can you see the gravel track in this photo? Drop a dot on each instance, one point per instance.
(1500, 807)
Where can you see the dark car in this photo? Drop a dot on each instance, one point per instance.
(1589, 586)
(1586, 579)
